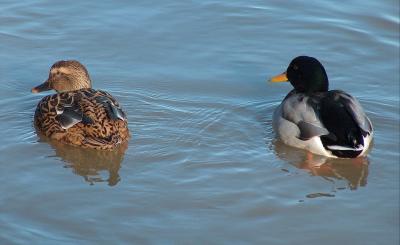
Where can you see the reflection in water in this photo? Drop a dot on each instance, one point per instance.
(89, 163)
(353, 171)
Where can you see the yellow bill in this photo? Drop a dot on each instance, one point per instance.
(279, 78)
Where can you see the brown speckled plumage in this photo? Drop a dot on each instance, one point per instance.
(84, 117)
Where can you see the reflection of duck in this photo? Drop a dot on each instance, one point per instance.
(77, 114)
(353, 171)
(329, 123)
(89, 163)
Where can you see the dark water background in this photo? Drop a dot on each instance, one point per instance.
(203, 166)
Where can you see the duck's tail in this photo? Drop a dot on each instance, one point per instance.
(92, 142)
(346, 139)
(103, 143)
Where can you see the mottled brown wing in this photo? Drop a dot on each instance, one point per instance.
(88, 118)
(109, 126)
(58, 112)
(45, 115)
(112, 106)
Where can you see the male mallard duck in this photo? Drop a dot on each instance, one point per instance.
(330, 123)
(77, 114)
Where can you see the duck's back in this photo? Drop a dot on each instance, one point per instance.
(87, 117)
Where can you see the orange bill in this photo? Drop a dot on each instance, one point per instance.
(279, 78)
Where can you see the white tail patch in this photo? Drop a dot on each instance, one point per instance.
(344, 148)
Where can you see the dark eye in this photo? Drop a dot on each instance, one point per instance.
(295, 67)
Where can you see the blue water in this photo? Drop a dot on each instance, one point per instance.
(203, 165)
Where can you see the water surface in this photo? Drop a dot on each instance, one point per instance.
(203, 165)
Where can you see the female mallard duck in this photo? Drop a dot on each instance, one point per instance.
(330, 123)
(77, 114)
